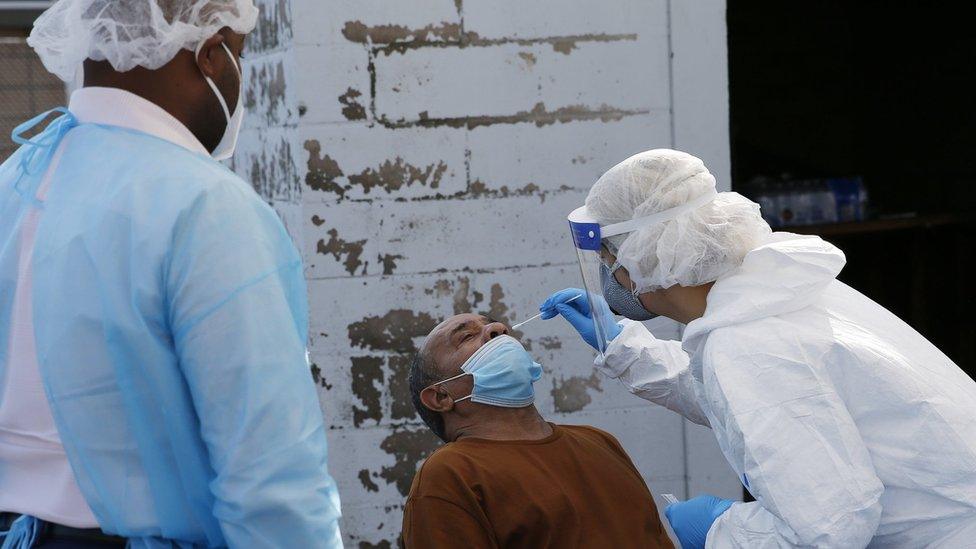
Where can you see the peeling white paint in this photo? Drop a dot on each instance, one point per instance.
(490, 236)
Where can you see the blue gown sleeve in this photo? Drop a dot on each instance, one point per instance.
(238, 315)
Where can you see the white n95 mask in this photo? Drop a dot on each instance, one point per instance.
(228, 142)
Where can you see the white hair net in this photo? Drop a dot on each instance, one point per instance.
(692, 249)
(131, 33)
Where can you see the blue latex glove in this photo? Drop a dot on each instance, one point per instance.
(578, 313)
(691, 519)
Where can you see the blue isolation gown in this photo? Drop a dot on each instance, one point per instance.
(170, 321)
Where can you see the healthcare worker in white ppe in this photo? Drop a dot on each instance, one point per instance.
(154, 384)
(848, 427)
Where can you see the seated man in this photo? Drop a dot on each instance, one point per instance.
(508, 478)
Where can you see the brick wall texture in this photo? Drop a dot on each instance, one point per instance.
(424, 154)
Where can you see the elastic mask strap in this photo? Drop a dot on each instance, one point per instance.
(616, 266)
(210, 82)
(234, 61)
(659, 217)
(452, 379)
(449, 379)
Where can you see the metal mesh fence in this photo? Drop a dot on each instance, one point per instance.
(26, 88)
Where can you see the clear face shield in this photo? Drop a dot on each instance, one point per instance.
(598, 264)
(593, 258)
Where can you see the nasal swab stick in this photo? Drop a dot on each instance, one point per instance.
(526, 321)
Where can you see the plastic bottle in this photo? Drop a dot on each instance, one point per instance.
(862, 199)
(802, 202)
(847, 197)
(765, 196)
(786, 204)
(827, 202)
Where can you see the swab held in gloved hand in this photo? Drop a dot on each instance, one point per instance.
(526, 321)
(669, 498)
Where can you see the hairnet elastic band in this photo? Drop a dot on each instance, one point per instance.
(655, 218)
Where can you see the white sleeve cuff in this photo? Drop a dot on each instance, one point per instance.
(623, 349)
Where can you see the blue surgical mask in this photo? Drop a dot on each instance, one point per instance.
(621, 300)
(503, 374)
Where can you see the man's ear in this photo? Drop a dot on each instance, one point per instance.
(211, 57)
(437, 399)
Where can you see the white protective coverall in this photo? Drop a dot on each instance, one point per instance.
(848, 427)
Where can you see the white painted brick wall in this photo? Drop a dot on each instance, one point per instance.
(519, 19)
(507, 79)
(517, 155)
(424, 155)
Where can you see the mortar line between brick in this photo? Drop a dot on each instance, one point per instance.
(451, 198)
(467, 168)
(311, 124)
(443, 273)
(464, 41)
(670, 76)
(445, 199)
(542, 119)
(419, 425)
(684, 458)
(686, 477)
(261, 54)
(459, 5)
(371, 70)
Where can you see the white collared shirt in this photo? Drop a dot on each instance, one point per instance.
(35, 476)
(115, 107)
